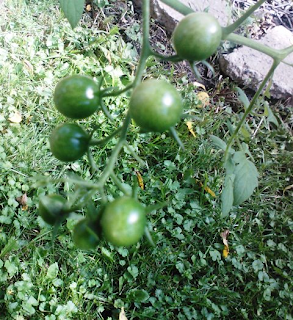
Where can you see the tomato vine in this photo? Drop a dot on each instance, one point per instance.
(122, 222)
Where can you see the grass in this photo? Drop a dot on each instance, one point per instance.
(185, 275)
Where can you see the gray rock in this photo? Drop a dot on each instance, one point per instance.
(169, 17)
(249, 67)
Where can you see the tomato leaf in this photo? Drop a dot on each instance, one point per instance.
(72, 10)
(228, 194)
(246, 178)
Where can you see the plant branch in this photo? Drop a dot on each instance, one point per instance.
(113, 92)
(173, 58)
(119, 184)
(146, 48)
(274, 53)
(112, 160)
(105, 140)
(250, 107)
(178, 6)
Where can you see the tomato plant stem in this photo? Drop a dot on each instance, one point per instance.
(105, 140)
(113, 92)
(119, 184)
(178, 6)
(274, 53)
(146, 48)
(112, 160)
(250, 107)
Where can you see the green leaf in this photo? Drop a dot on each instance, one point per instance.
(246, 178)
(53, 271)
(215, 255)
(138, 295)
(227, 196)
(218, 142)
(72, 10)
(11, 245)
(243, 97)
(245, 133)
(271, 117)
(229, 165)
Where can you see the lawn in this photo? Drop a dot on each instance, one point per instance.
(188, 273)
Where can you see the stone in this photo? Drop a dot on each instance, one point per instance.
(169, 17)
(249, 67)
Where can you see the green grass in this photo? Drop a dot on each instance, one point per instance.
(185, 275)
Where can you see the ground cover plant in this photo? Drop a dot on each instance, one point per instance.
(188, 272)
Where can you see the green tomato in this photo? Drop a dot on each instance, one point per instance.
(85, 235)
(197, 36)
(155, 105)
(77, 96)
(69, 142)
(123, 221)
(51, 208)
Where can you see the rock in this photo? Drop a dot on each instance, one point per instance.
(249, 67)
(168, 17)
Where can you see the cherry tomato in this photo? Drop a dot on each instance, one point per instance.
(77, 96)
(123, 221)
(69, 142)
(155, 105)
(197, 36)
(85, 235)
(51, 208)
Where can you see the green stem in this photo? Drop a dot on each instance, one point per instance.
(119, 184)
(286, 51)
(114, 92)
(146, 48)
(105, 140)
(232, 27)
(174, 58)
(178, 6)
(105, 110)
(274, 53)
(250, 107)
(112, 160)
(135, 156)
(145, 53)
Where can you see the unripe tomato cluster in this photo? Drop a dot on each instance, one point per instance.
(155, 106)
(121, 222)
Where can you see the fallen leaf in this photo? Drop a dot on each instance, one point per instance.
(225, 252)
(204, 98)
(198, 84)
(206, 188)
(224, 236)
(22, 200)
(189, 126)
(140, 180)
(28, 66)
(122, 315)
(288, 188)
(15, 117)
